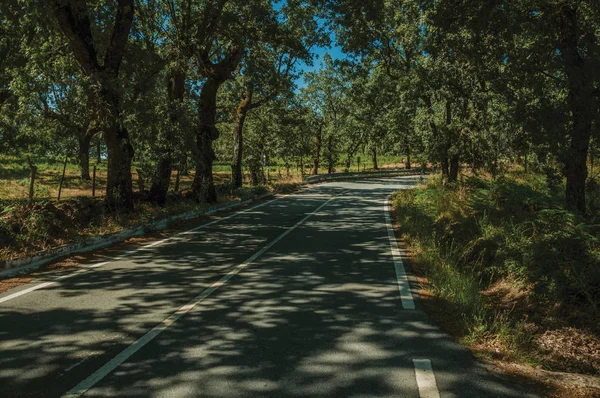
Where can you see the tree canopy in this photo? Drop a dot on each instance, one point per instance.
(161, 85)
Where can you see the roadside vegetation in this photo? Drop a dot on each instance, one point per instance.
(520, 271)
(28, 226)
(182, 104)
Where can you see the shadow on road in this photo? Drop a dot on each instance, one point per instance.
(317, 315)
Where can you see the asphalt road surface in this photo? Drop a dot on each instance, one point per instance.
(300, 296)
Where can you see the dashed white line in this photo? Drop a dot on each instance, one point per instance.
(425, 379)
(111, 365)
(401, 278)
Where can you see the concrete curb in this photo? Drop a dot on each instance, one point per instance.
(22, 265)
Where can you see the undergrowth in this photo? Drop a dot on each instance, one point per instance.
(27, 227)
(512, 230)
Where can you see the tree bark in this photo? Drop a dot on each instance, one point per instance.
(62, 178)
(74, 21)
(454, 168)
(237, 177)
(119, 188)
(580, 104)
(317, 153)
(203, 186)
(407, 163)
(374, 157)
(162, 177)
(161, 180)
(84, 156)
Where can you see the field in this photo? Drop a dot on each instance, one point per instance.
(27, 227)
(14, 176)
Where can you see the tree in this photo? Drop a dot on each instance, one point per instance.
(74, 20)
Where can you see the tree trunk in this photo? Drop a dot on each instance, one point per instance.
(119, 188)
(580, 104)
(161, 180)
(203, 186)
(74, 21)
(330, 163)
(84, 156)
(238, 142)
(62, 178)
(374, 157)
(317, 153)
(454, 168)
(445, 166)
(32, 175)
(162, 177)
(94, 182)
(407, 164)
(140, 181)
(255, 178)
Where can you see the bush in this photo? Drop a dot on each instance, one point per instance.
(511, 228)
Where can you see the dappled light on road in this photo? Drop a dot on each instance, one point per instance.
(319, 314)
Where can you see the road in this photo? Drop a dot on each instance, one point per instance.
(300, 296)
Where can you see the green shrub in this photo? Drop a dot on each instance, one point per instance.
(512, 228)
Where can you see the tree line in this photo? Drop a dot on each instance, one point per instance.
(455, 83)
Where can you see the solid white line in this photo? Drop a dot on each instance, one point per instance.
(111, 365)
(425, 379)
(401, 278)
(129, 252)
(23, 292)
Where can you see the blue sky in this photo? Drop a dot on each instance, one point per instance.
(334, 51)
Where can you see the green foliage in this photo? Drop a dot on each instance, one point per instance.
(510, 229)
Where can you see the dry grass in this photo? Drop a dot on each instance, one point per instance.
(496, 354)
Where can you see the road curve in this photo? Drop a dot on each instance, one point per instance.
(297, 297)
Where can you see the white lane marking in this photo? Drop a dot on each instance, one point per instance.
(425, 379)
(111, 365)
(401, 278)
(23, 292)
(127, 253)
(98, 265)
(70, 368)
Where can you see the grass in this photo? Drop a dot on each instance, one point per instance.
(27, 227)
(14, 176)
(512, 262)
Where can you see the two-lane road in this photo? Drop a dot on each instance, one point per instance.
(299, 296)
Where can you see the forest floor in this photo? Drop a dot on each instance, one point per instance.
(520, 271)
